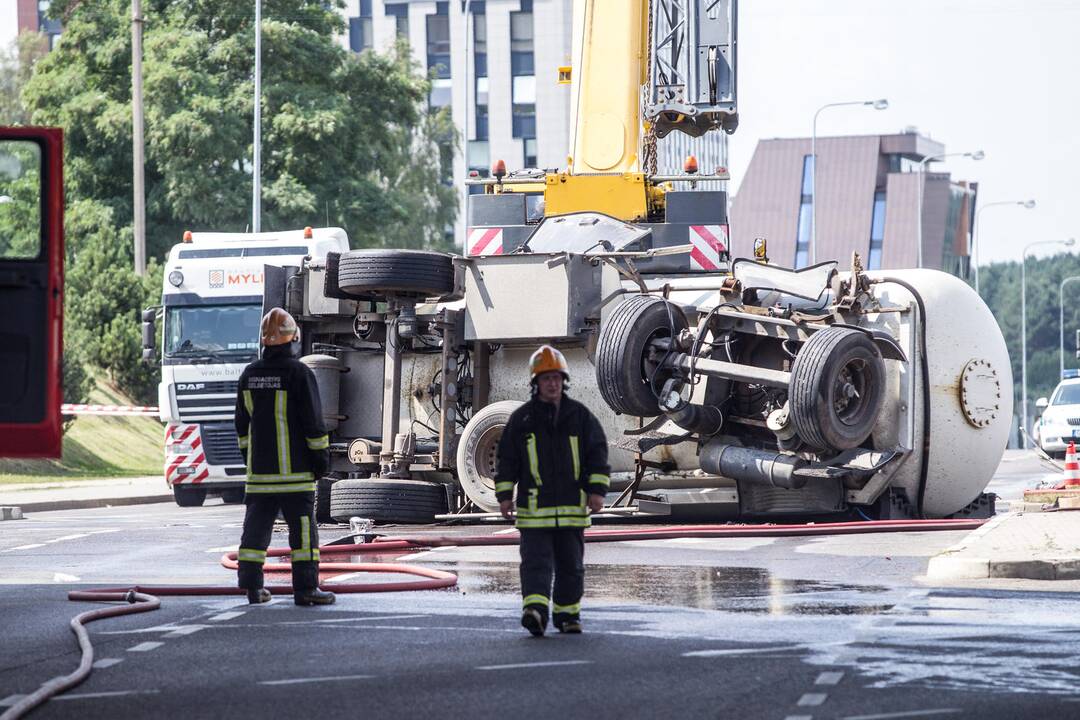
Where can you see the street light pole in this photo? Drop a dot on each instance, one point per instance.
(975, 234)
(256, 160)
(1023, 328)
(975, 155)
(1061, 324)
(880, 104)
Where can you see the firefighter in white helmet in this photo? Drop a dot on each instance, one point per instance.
(279, 424)
(554, 452)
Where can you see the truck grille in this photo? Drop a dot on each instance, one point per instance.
(219, 442)
(206, 401)
(1074, 421)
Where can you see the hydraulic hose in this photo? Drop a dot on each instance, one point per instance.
(142, 598)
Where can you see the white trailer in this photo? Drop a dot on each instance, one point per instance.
(211, 305)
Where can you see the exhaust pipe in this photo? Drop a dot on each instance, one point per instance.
(764, 467)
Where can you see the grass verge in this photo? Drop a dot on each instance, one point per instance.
(97, 446)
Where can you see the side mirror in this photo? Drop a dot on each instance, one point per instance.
(1042, 403)
(149, 335)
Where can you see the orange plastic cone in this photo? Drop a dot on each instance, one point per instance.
(1072, 467)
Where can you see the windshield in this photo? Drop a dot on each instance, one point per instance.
(1067, 395)
(212, 330)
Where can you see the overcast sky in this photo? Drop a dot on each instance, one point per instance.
(1001, 76)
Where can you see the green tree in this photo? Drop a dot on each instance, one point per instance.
(16, 66)
(348, 140)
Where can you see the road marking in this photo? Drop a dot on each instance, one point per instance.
(551, 663)
(27, 547)
(828, 678)
(70, 537)
(331, 678)
(225, 616)
(350, 620)
(812, 699)
(799, 717)
(739, 651)
(225, 548)
(145, 646)
(11, 700)
(64, 577)
(113, 693)
(107, 662)
(186, 630)
(910, 714)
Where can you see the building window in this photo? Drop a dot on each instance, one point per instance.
(479, 157)
(479, 39)
(521, 41)
(877, 231)
(361, 30)
(481, 132)
(400, 13)
(530, 153)
(524, 120)
(806, 214)
(438, 41)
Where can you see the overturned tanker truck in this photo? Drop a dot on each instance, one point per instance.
(753, 391)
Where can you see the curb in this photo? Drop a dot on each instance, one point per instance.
(11, 512)
(951, 565)
(94, 503)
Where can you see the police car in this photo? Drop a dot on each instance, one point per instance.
(1060, 420)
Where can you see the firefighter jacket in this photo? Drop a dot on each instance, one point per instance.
(279, 424)
(555, 456)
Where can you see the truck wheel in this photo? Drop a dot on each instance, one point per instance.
(322, 499)
(232, 496)
(837, 387)
(477, 452)
(189, 496)
(624, 372)
(387, 501)
(378, 273)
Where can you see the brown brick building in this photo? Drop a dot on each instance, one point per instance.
(867, 201)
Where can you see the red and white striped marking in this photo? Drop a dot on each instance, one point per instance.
(485, 241)
(190, 467)
(709, 242)
(1072, 467)
(78, 409)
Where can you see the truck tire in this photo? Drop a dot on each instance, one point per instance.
(189, 495)
(380, 273)
(232, 496)
(477, 452)
(387, 501)
(837, 387)
(624, 376)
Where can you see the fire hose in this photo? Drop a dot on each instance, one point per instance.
(144, 598)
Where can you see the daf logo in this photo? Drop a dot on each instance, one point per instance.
(190, 386)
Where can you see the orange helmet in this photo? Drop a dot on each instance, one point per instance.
(547, 359)
(278, 328)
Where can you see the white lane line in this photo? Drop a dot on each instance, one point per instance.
(64, 577)
(145, 646)
(551, 663)
(70, 537)
(799, 717)
(26, 547)
(331, 678)
(740, 651)
(107, 662)
(812, 699)
(222, 617)
(186, 630)
(224, 548)
(114, 693)
(909, 714)
(11, 700)
(329, 621)
(828, 678)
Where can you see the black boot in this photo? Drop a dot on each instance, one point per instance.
(314, 596)
(257, 596)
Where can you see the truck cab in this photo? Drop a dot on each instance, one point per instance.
(211, 306)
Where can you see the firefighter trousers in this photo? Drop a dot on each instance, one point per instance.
(559, 552)
(298, 508)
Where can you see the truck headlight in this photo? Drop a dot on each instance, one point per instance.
(176, 278)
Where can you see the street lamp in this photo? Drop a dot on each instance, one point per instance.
(1028, 204)
(975, 155)
(880, 104)
(1023, 325)
(1061, 323)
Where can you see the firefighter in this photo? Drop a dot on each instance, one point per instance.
(554, 451)
(279, 424)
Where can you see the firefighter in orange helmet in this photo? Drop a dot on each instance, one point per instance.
(554, 452)
(279, 425)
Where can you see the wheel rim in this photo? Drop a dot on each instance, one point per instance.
(650, 369)
(852, 391)
(486, 456)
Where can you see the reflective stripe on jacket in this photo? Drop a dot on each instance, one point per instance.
(279, 423)
(555, 460)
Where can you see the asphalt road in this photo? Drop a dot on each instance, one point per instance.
(827, 627)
